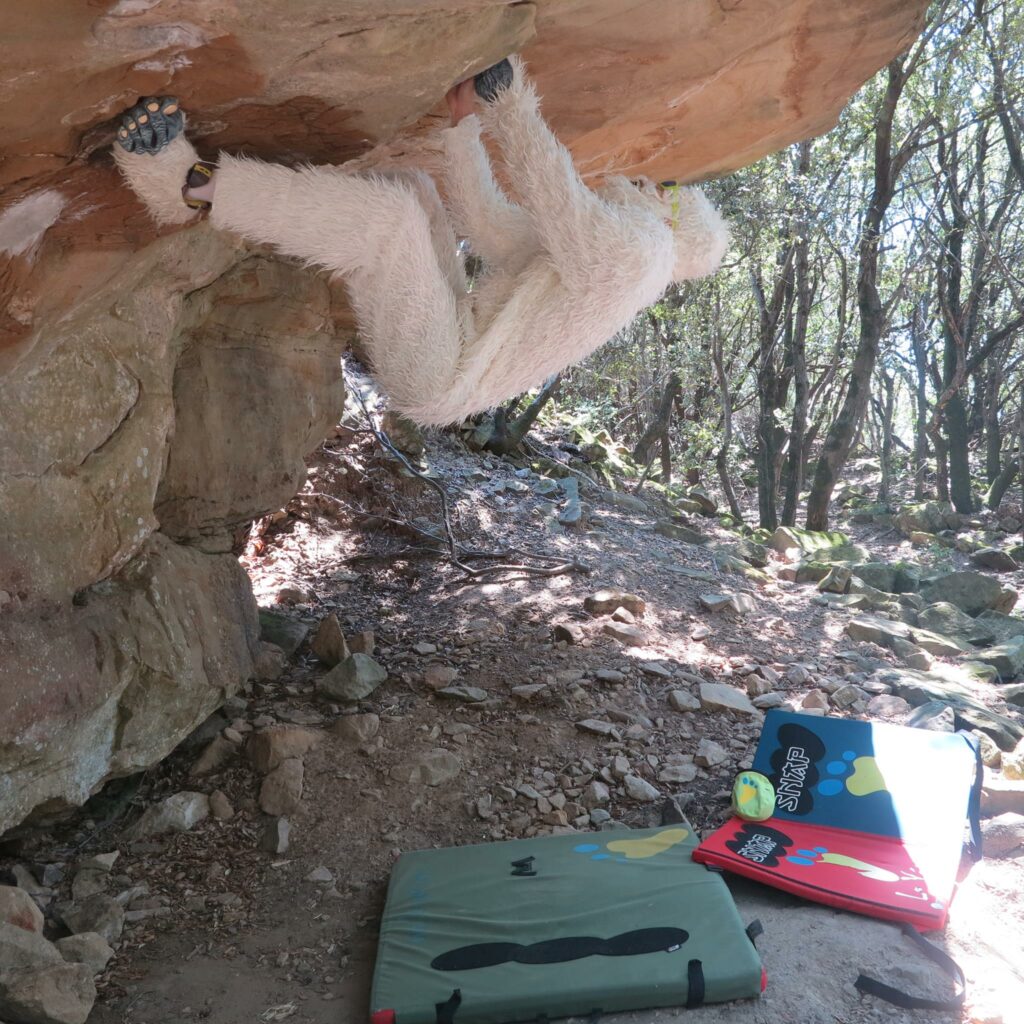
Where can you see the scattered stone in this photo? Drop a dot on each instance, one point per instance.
(677, 531)
(766, 701)
(320, 875)
(86, 948)
(467, 694)
(276, 835)
(100, 914)
(948, 620)
(1013, 762)
(624, 615)
(353, 679)
(1007, 658)
(423, 648)
(283, 630)
(270, 747)
(1003, 836)
(61, 993)
(604, 602)
(816, 699)
(220, 806)
(640, 789)
(528, 691)
(632, 635)
(837, 581)
(994, 559)
(269, 662)
(294, 595)
(739, 603)
(281, 792)
(88, 882)
(656, 669)
(877, 631)
(934, 716)
(218, 752)
(595, 795)
(177, 813)
(437, 677)
(709, 753)
(683, 700)
(678, 774)
(797, 675)
(890, 577)
(598, 728)
(329, 643)
(848, 695)
(433, 768)
(972, 592)
(885, 705)
(721, 697)
(356, 729)
(569, 632)
(362, 642)
(18, 909)
(610, 675)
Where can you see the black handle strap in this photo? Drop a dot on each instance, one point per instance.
(446, 1010)
(871, 987)
(694, 984)
(974, 803)
(754, 930)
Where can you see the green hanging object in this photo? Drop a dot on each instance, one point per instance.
(753, 797)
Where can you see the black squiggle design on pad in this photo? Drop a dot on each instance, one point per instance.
(760, 843)
(559, 951)
(798, 773)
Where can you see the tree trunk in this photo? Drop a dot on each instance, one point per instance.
(957, 437)
(836, 448)
(656, 429)
(508, 436)
(918, 343)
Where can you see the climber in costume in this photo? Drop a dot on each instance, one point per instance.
(565, 267)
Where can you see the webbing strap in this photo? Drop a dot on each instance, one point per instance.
(694, 984)
(446, 1010)
(974, 803)
(754, 930)
(897, 997)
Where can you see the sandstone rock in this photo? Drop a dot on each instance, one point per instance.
(86, 948)
(88, 882)
(683, 700)
(363, 642)
(720, 697)
(934, 716)
(766, 701)
(972, 592)
(598, 728)
(177, 813)
(890, 577)
(741, 604)
(632, 635)
(604, 602)
(640, 789)
(433, 768)
(709, 753)
(677, 531)
(467, 694)
(100, 914)
(1002, 627)
(568, 632)
(1013, 762)
(678, 774)
(929, 517)
(629, 502)
(24, 949)
(595, 795)
(281, 791)
(876, 630)
(269, 662)
(837, 581)
(948, 620)
(1007, 659)
(57, 994)
(816, 699)
(356, 729)
(885, 705)
(624, 615)
(437, 677)
(994, 559)
(329, 643)
(355, 678)
(18, 909)
(1003, 836)
(283, 630)
(218, 752)
(268, 748)
(275, 836)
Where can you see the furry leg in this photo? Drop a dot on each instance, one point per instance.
(157, 179)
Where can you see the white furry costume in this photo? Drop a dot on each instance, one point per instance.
(566, 267)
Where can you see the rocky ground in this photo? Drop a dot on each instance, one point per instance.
(400, 705)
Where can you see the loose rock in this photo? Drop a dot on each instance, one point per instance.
(640, 789)
(353, 679)
(329, 643)
(17, 908)
(720, 697)
(63, 993)
(433, 768)
(87, 948)
(177, 813)
(281, 792)
(356, 729)
(268, 748)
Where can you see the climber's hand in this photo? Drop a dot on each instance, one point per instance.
(150, 125)
(461, 100)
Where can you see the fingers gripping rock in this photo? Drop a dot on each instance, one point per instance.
(151, 125)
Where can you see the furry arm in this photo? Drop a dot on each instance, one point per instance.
(593, 243)
(157, 179)
(498, 229)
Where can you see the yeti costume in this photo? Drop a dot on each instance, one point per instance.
(565, 268)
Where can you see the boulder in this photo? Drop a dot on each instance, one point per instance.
(268, 748)
(948, 620)
(177, 813)
(929, 517)
(604, 602)
(329, 643)
(972, 592)
(18, 909)
(281, 791)
(722, 697)
(160, 387)
(785, 538)
(61, 993)
(891, 577)
(433, 768)
(86, 948)
(994, 559)
(1007, 659)
(999, 626)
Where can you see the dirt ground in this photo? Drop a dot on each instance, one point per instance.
(239, 935)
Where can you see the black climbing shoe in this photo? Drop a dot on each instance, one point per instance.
(199, 174)
(150, 125)
(493, 80)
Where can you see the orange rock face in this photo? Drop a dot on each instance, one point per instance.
(159, 388)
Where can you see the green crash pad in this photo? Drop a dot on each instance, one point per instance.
(558, 926)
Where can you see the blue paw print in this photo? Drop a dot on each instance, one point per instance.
(808, 858)
(592, 848)
(831, 787)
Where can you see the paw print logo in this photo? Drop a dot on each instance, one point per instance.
(858, 775)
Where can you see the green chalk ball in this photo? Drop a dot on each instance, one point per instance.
(753, 797)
